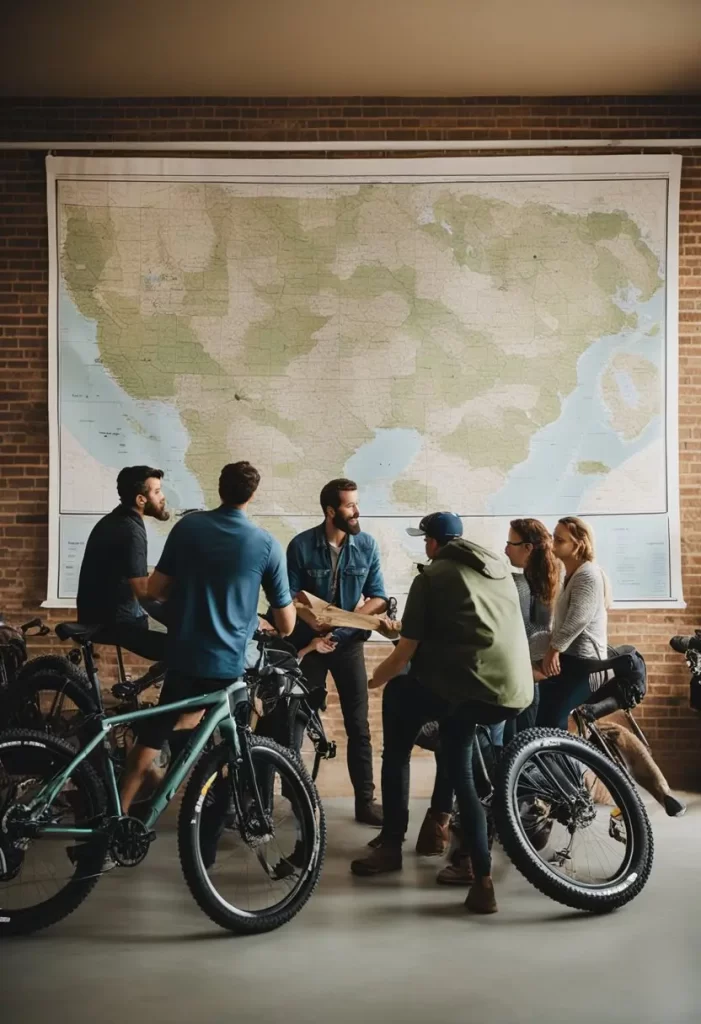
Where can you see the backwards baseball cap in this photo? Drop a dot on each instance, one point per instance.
(440, 526)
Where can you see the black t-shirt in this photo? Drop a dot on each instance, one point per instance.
(115, 553)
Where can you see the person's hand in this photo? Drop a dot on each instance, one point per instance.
(551, 663)
(379, 678)
(323, 645)
(389, 628)
(537, 674)
(265, 627)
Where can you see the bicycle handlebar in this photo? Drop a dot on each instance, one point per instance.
(42, 629)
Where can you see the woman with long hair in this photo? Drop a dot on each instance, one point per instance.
(579, 628)
(530, 548)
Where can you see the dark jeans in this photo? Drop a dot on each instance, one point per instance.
(561, 694)
(408, 705)
(136, 637)
(347, 668)
(442, 797)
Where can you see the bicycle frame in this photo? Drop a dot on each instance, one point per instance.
(220, 715)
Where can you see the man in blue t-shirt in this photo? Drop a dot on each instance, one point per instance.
(211, 571)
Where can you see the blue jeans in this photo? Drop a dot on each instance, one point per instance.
(561, 694)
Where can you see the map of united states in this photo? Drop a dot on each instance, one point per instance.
(496, 348)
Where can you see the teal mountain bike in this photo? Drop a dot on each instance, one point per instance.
(251, 828)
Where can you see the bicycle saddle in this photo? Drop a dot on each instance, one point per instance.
(76, 631)
(628, 686)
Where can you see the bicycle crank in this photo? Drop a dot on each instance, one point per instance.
(129, 841)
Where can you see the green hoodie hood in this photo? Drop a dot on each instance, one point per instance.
(482, 560)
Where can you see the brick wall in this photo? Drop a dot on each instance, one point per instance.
(674, 731)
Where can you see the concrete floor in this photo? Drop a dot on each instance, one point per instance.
(392, 949)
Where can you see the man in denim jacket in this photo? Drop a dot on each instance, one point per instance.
(339, 563)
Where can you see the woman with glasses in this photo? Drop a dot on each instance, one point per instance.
(530, 548)
(579, 628)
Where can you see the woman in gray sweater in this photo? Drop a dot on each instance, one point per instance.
(579, 625)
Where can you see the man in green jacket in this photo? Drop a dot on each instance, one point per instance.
(463, 633)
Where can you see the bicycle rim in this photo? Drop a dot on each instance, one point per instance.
(248, 871)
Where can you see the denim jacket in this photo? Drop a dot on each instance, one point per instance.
(359, 573)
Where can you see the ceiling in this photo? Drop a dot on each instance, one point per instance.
(349, 47)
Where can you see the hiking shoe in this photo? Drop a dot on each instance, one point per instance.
(434, 835)
(674, 807)
(459, 872)
(381, 861)
(369, 813)
(481, 898)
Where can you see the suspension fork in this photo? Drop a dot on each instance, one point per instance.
(237, 732)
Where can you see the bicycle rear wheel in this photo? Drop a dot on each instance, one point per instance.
(43, 880)
(52, 703)
(577, 852)
(247, 877)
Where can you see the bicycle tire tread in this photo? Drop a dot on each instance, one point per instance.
(560, 889)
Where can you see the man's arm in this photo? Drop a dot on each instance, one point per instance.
(285, 619)
(134, 558)
(413, 631)
(277, 590)
(374, 587)
(294, 567)
(373, 606)
(159, 586)
(139, 587)
(394, 664)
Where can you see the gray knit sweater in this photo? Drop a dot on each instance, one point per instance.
(580, 620)
(536, 618)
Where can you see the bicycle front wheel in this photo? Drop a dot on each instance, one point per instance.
(572, 822)
(250, 876)
(44, 879)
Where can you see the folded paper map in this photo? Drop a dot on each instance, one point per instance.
(313, 610)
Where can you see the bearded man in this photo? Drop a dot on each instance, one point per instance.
(114, 573)
(339, 563)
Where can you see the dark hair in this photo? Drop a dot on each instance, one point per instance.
(542, 571)
(238, 482)
(331, 492)
(131, 482)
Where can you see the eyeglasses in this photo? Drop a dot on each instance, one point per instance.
(515, 543)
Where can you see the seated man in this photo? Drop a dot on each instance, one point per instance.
(114, 572)
(463, 632)
(211, 571)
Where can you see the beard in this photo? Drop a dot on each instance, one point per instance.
(159, 512)
(341, 523)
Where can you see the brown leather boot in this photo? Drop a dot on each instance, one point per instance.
(481, 898)
(379, 861)
(434, 835)
(458, 872)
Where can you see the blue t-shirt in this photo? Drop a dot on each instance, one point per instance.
(218, 561)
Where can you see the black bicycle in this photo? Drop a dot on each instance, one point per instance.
(283, 707)
(690, 647)
(54, 694)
